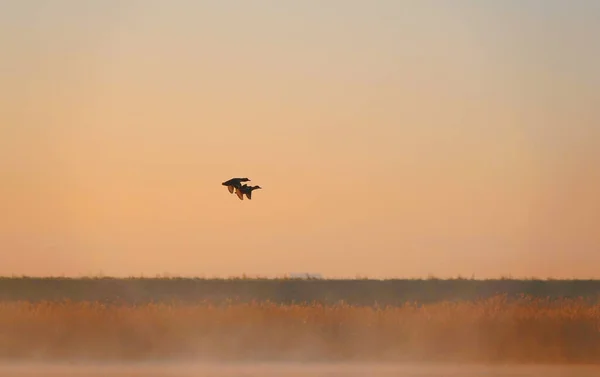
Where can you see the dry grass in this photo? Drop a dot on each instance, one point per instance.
(492, 330)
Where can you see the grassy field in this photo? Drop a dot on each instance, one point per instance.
(492, 330)
(112, 319)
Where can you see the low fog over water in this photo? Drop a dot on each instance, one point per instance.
(291, 369)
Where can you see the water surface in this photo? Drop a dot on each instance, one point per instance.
(292, 370)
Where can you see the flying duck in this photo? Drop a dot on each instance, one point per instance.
(234, 183)
(245, 189)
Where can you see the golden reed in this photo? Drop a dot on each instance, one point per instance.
(491, 330)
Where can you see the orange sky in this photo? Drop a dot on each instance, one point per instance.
(392, 139)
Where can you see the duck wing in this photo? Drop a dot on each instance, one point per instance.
(232, 181)
(240, 194)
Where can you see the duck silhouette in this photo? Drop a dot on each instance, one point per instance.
(234, 183)
(247, 190)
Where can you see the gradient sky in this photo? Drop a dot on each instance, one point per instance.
(392, 138)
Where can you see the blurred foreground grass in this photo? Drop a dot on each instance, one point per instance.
(496, 329)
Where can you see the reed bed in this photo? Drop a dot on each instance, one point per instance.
(526, 330)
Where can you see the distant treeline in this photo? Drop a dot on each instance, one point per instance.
(285, 291)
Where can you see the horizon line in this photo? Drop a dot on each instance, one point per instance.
(287, 277)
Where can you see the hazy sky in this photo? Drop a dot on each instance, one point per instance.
(391, 138)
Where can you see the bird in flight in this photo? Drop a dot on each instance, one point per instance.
(234, 183)
(245, 189)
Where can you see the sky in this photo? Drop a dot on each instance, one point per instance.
(392, 139)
